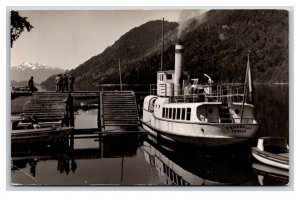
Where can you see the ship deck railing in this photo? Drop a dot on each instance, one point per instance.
(206, 93)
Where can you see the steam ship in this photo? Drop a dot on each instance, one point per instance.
(181, 110)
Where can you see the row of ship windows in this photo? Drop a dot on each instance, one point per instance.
(178, 180)
(177, 113)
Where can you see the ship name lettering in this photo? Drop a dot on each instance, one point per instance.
(238, 131)
(238, 127)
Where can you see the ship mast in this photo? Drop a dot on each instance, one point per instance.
(162, 48)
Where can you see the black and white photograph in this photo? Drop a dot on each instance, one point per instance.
(150, 97)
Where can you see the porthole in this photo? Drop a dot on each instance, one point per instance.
(237, 111)
(210, 110)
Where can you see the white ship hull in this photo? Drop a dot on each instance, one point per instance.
(202, 134)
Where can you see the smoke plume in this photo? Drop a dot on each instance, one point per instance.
(186, 17)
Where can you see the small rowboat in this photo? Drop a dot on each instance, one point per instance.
(272, 151)
(263, 171)
(42, 135)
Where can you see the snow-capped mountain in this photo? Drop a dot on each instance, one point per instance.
(27, 65)
(40, 72)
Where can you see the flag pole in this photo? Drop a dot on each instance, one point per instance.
(245, 84)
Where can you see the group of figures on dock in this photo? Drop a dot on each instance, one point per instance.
(64, 83)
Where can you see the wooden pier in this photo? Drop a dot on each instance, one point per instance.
(115, 109)
(119, 108)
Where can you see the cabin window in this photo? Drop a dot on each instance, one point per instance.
(178, 114)
(183, 114)
(162, 77)
(167, 112)
(174, 113)
(170, 113)
(210, 110)
(188, 114)
(169, 76)
(163, 112)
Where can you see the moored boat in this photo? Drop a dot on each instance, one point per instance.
(265, 172)
(41, 135)
(181, 110)
(272, 151)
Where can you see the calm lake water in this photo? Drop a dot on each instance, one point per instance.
(143, 160)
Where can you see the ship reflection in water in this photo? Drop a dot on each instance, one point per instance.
(136, 160)
(187, 167)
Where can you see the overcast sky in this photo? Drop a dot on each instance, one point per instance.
(65, 39)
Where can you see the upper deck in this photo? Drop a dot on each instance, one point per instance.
(191, 93)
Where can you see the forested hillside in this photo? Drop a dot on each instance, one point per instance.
(218, 46)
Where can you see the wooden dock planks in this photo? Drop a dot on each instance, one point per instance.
(49, 106)
(115, 108)
(119, 108)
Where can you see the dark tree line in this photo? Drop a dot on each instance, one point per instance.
(17, 25)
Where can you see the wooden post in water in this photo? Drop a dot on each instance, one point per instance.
(71, 110)
(99, 112)
(120, 75)
(71, 123)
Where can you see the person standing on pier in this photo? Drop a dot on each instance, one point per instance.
(31, 85)
(57, 79)
(65, 83)
(61, 83)
(71, 80)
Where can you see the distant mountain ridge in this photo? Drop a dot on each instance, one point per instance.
(19, 83)
(40, 72)
(217, 45)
